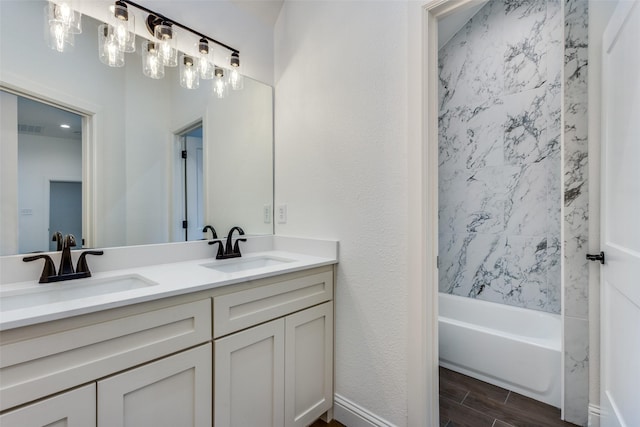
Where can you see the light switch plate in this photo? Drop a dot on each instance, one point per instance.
(267, 214)
(282, 214)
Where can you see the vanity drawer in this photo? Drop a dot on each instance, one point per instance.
(43, 365)
(243, 309)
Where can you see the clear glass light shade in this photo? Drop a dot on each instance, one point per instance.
(236, 80)
(64, 13)
(58, 38)
(152, 64)
(124, 27)
(205, 60)
(167, 42)
(220, 83)
(108, 48)
(189, 73)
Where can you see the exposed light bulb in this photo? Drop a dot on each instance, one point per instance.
(152, 65)
(236, 79)
(124, 27)
(109, 52)
(189, 76)
(205, 60)
(167, 42)
(219, 83)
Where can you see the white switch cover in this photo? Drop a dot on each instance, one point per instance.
(267, 214)
(282, 214)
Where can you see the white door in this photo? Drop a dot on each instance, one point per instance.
(620, 226)
(308, 370)
(194, 192)
(249, 377)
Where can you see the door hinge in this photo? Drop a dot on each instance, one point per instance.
(184, 154)
(185, 224)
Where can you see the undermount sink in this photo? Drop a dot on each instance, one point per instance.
(43, 294)
(237, 265)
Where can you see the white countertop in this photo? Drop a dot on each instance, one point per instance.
(169, 278)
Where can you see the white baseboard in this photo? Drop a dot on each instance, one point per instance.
(594, 415)
(352, 415)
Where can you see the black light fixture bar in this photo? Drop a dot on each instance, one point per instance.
(177, 24)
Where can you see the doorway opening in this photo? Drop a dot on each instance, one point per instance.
(65, 209)
(499, 205)
(190, 194)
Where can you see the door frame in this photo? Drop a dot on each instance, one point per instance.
(422, 158)
(176, 207)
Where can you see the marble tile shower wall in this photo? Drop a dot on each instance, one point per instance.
(499, 155)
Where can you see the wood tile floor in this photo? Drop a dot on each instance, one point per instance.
(465, 401)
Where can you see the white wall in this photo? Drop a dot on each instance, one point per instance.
(341, 132)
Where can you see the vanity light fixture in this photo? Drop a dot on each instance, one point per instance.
(189, 73)
(108, 47)
(117, 36)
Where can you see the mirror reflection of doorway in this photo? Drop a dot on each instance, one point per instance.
(49, 151)
(192, 191)
(65, 209)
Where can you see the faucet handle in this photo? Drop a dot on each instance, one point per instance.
(69, 241)
(49, 267)
(82, 266)
(57, 237)
(219, 254)
(236, 246)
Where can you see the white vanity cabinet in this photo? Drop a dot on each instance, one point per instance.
(255, 353)
(278, 373)
(98, 351)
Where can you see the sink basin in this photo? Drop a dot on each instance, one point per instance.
(237, 265)
(71, 290)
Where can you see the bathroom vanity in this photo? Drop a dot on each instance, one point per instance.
(201, 342)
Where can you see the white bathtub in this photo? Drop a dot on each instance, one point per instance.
(511, 347)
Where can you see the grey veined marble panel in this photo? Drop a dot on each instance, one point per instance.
(499, 155)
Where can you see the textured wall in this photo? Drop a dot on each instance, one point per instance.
(499, 156)
(340, 151)
(576, 213)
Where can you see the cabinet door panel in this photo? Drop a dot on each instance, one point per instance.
(308, 365)
(174, 391)
(249, 377)
(75, 408)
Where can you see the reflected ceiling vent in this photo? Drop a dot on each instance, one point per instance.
(22, 128)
